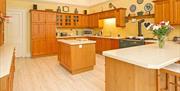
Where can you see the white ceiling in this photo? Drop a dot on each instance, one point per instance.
(86, 3)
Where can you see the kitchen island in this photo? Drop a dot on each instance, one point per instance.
(76, 55)
(139, 68)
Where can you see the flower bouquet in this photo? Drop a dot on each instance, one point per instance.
(161, 30)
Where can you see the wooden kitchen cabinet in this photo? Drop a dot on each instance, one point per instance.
(84, 21)
(174, 10)
(38, 17)
(115, 44)
(104, 44)
(65, 20)
(169, 81)
(60, 19)
(3, 11)
(38, 39)
(167, 10)
(107, 14)
(120, 17)
(51, 41)
(76, 59)
(162, 11)
(43, 33)
(93, 20)
(68, 20)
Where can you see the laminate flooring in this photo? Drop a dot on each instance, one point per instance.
(45, 74)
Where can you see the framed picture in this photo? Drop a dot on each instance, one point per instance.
(65, 9)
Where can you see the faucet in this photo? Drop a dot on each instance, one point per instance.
(140, 27)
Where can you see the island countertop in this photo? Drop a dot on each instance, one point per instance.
(77, 42)
(6, 54)
(147, 56)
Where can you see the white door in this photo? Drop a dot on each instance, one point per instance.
(14, 32)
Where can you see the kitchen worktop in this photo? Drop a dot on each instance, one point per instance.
(60, 37)
(76, 42)
(147, 56)
(173, 67)
(6, 54)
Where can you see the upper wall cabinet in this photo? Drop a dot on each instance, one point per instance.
(93, 20)
(119, 14)
(65, 20)
(107, 14)
(167, 10)
(120, 17)
(175, 10)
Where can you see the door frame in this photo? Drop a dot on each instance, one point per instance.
(24, 30)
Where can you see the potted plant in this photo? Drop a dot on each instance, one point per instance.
(161, 31)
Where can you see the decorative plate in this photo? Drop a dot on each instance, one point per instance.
(140, 1)
(148, 7)
(65, 8)
(133, 8)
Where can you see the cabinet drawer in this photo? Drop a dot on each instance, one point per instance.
(172, 87)
(178, 81)
(172, 78)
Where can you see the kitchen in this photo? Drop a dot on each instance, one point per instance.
(83, 45)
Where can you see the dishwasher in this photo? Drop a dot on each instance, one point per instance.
(124, 43)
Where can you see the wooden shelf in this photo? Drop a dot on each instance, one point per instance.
(141, 17)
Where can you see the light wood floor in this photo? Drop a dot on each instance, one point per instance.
(45, 74)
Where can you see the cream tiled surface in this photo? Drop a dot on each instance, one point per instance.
(6, 56)
(148, 56)
(173, 67)
(77, 42)
(45, 74)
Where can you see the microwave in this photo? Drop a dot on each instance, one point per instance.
(88, 32)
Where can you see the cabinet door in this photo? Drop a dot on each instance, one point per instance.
(98, 45)
(162, 11)
(84, 21)
(178, 83)
(176, 11)
(50, 17)
(76, 21)
(1, 34)
(114, 44)
(166, 10)
(90, 21)
(120, 18)
(96, 20)
(51, 38)
(38, 42)
(37, 16)
(68, 21)
(158, 12)
(60, 20)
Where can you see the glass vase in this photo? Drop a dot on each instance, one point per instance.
(161, 41)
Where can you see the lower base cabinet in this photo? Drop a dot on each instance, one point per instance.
(76, 58)
(104, 44)
(169, 81)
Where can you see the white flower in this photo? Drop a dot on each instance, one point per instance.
(167, 23)
(156, 27)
